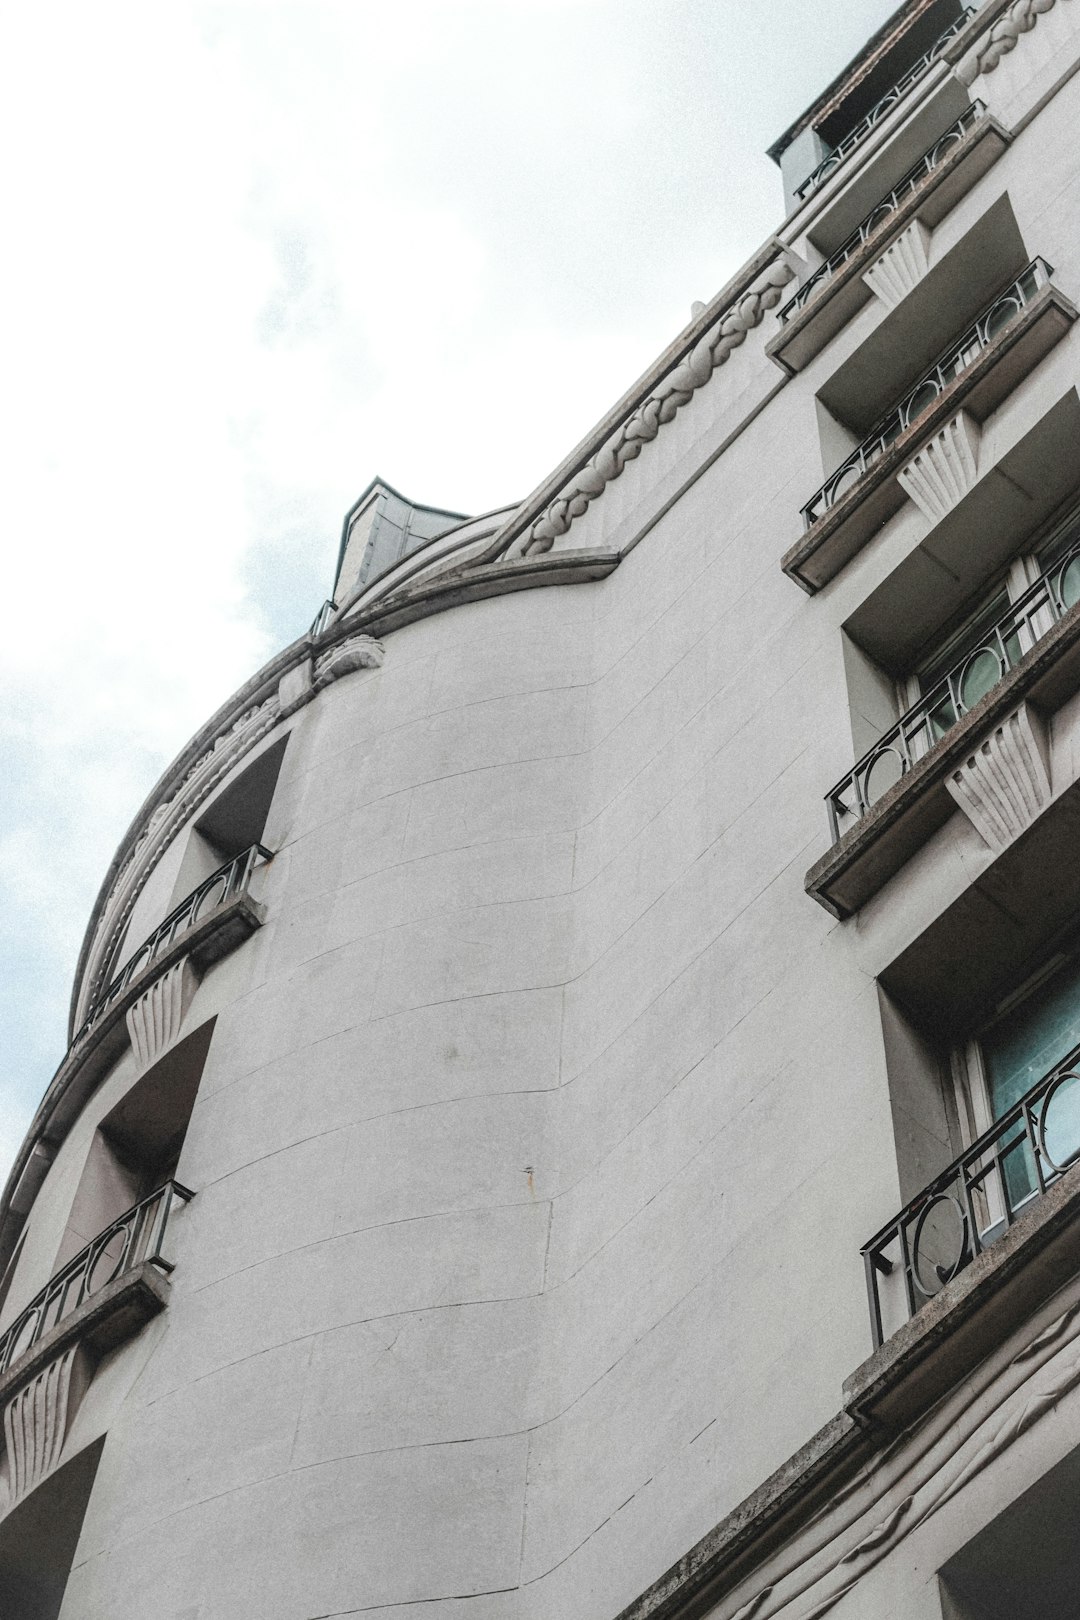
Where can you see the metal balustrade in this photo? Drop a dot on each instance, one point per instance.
(883, 210)
(217, 890)
(919, 399)
(881, 109)
(132, 1238)
(976, 673)
(322, 618)
(964, 1209)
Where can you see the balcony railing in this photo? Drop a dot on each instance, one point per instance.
(217, 890)
(881, 109)
(1022, 624)
(969, 1205)
(136, 1236)
(918, 399)
(322, 618)
(882, 211)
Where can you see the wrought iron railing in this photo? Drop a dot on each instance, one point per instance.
(971, 677)
(882, 211)
(132, 1238)
(881, 109)
(945, 370)
(217, 890)
(964, 1209)
(322, 618)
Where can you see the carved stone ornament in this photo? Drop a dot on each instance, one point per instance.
(712, 349)
(942, 471)
(35, 1424)
(358, 652)
(154, 1020)
(915, 1477)
(1004, 784)
(901, 267)
(1004, 37)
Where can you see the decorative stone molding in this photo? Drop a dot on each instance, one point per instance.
(35, 1423)
(1020, 18)
(944, 469)
(1005, 783)
(712, 349)
(358, 652)
(154, 1020)
(901, 267)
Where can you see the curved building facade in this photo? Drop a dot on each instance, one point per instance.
(521, 1155)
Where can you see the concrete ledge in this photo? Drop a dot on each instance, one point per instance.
(112, 1314)
(902, 820)
(841, 532)
(962, 1324)
(832, 305)
(763, 1521)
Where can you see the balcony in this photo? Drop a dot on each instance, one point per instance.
(835, 291)
(976, 372)
(212, 902)
(101, 1297)
(894, 827)
(976, 1252)
(216, 917)
(881, 109)
(1024, 622)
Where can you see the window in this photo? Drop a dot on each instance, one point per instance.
(39, 1537)
(1032, 1033)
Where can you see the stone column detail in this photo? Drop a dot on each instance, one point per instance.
(940, 474)
(1005, 783)
(35, 1423)
(154, 1020)
(901, 267)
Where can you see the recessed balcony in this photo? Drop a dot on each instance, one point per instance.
(211, 901)
(101, 1297)
(926, 722)
(836, 290)
(213, 920)
(881, 109)
(974, 1253)
(886, 831)
(975, 373)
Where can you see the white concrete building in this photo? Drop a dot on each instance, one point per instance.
(504, 1066)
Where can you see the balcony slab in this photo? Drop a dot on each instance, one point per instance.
(957, 1329)
(110, 1315)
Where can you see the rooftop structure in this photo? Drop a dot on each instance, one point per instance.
(573, 1097)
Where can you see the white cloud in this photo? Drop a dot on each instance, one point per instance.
(257, 253)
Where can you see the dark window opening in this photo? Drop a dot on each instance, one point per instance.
(39, 1538)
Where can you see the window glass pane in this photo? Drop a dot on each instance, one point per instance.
(950, 652)
(1019, 1050)
(1024, 1045)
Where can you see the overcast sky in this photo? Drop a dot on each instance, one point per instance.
(256, 253)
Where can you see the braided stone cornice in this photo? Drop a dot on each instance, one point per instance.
(1003, 37)
(710, 351)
